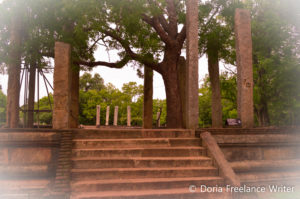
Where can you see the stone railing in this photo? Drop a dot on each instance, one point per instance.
(215, 152)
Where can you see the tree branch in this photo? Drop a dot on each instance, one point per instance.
(142, 59)
(154, 22)
(182, 35)
(163, 22)
(173, 18)
(119, 64)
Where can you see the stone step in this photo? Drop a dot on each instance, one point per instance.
(132, 133)
(140, 162)
(135, 173)
(271, 176)
(266, 165)
(140, 152)
(143, 184)
(23, 171)
(179, 193)
(28, 186)
(134, 143)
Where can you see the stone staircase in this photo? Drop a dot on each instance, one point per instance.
(141, 164)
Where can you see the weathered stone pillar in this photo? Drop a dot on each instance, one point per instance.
(158, 119)
(116, 116)
(192, 100)
(107, 116)
(74, 97)
(148, 98)
(128, 116)
(182, 87)
(66, 88)
(14, 70)
(98, 115)
(244, 67)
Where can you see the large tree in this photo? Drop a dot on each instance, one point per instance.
(150, 33)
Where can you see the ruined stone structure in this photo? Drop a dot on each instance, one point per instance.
(66, 89)
(244, 67)
(192, 102)
(148, 98)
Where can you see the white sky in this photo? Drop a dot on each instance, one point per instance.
(115, 76)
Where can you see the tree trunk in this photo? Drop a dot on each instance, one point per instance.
(14, 70)
(216, 103)
(171, 81)
(262, 113)
(30, 112)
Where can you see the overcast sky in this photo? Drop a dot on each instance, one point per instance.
(115, 76)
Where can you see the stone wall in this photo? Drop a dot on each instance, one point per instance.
(257, 144)
(27, 161)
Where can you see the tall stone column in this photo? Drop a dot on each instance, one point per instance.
(148, 98)
(98, 110)
(66, 88)
(182, 87)
(107, 116)
(116, 116)
(128, 116)
(192, 100)
(244, 67)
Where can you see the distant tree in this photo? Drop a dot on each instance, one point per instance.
(2, 108)
(216, 41)
(88, 82)
(228, 99)
(276, 45)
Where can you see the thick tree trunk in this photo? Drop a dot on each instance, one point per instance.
(262, 114)
(14, 69)
(216, 103)
(174, 109)
(30, 116)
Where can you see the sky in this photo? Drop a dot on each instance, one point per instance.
(115, 76)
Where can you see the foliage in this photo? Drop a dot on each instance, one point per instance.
(228, 93)
(87, 82)
(2, 108)
(276, 62)
(45, 117)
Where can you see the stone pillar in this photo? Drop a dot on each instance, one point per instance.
(244, 67)
(158, 119)
(116, 116)
(128, 116)
(66, 88)
(148, 98)
(182, 87)
(107, 116)
(192, 100)
(98, 115)
(74, 122)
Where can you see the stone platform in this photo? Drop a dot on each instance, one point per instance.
(139, 163)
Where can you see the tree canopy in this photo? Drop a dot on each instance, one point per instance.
(151, 33)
